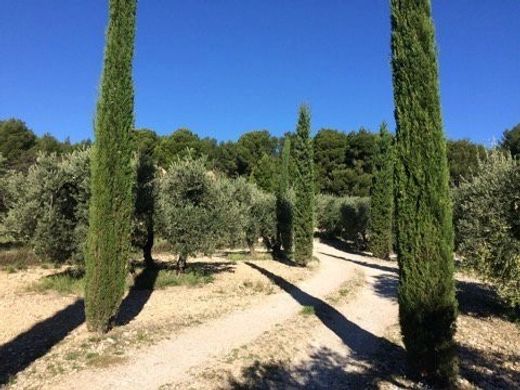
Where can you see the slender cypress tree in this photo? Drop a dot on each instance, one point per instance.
(111, 203)
(427, 303)
(283, 203)
(304, 189)
(382, 197)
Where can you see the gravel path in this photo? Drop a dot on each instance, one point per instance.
(353, 330)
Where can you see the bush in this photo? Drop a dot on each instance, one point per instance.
(487, 224)
(189, 209)
(47, 208)
(344, 217)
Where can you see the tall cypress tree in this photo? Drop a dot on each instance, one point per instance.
(427, 303)
(304, 189)
(111, 203)
(284, 212)
(382, 197)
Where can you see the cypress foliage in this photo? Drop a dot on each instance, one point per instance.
(382, 197)
(284, 212)
(111, 203)
(304, 189)
(427, 303)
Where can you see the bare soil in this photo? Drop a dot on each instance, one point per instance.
(259, 324)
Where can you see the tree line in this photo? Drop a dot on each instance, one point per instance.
(344, 162)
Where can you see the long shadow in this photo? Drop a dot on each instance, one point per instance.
(362, 343)
(137, 296)
(364, 263)
(32, 344)
(341, 245)
(144, 285)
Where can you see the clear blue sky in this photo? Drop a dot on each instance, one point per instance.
(223, 67)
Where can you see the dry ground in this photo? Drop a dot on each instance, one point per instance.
(43, 335)
(259, 324)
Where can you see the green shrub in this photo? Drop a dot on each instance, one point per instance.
(487, 223)
(344, 217)
(47, 208)
(189, 214)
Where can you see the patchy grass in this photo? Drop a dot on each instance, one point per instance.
(307, 311)
(100, 361)
(258, 286)
(169, 278)
(70, 281)
(246, 256)
(17, 259)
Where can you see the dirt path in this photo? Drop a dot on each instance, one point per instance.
(354, 331)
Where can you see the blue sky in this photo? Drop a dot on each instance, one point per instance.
(223, 67)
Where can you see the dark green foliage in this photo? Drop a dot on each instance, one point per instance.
(145, 195)
(170, 148)
(284, 212)
(264, 173)
(251, 147)
(344, 217)
(427, 303)
(359, 161)
(112, 175)
(344, 162)
(487, 222)
(382, 197)
(17, 143)
(463, 159)
(304, 189)
(511, 140)
(330, 148)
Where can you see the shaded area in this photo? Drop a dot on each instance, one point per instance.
(482, 367)
(364, 263)
(385, 286)
(478, 299)
(34, 343)
(341, 245)
(325, 369)
(137, 296)
(363, 344)
(487, 370)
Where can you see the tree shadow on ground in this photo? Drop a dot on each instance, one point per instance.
(144, 285)
(324, 369)
(487, 370)
(20, 352)
(385, 286)
(34, 343)
(478, 299)
(342, 245)
(364, 263)
(362, 344)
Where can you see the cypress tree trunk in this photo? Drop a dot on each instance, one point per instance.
(283, 203)
(111, 203)
(304, 188)
(382, 197)
(427, 303)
